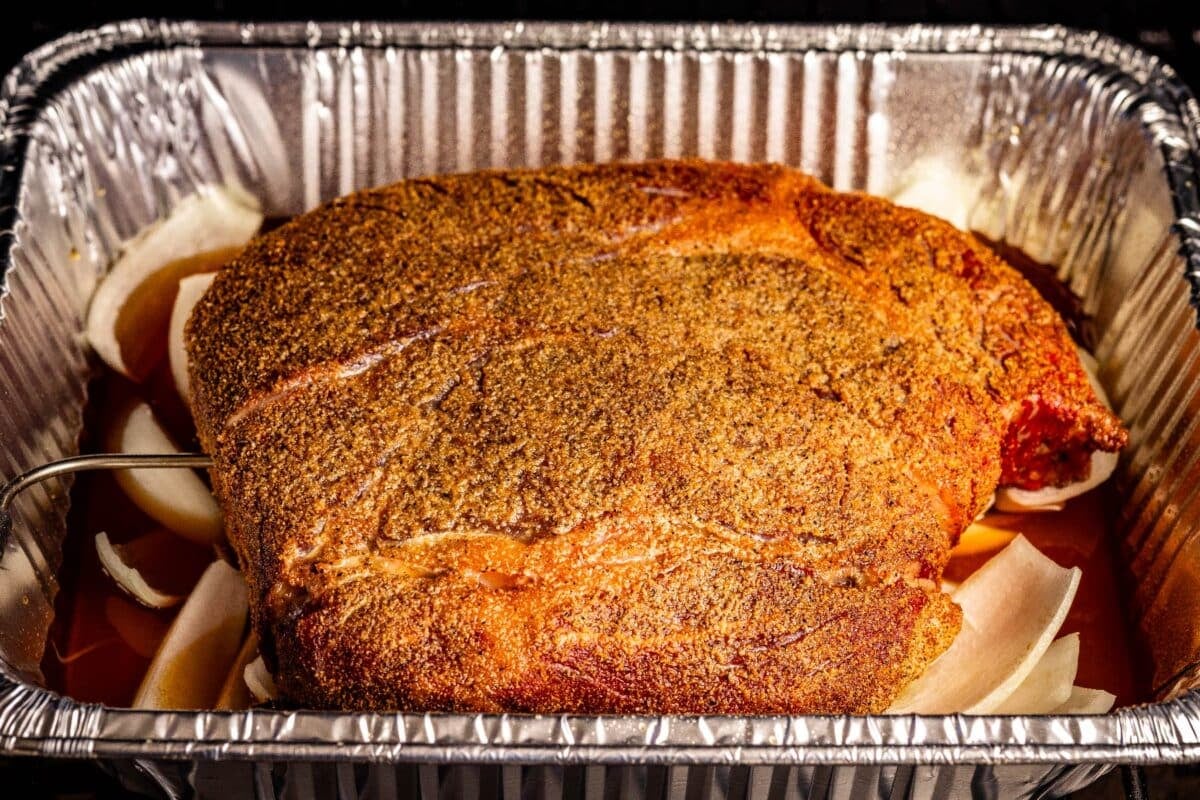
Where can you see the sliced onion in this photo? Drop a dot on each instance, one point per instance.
(144, 276)
(939, 187)
(1087, 701)
(191, 289)
(169, 563)
(1012, 609)
(190, 667)
(1048, 685)
(260, 681)
(235, 695)
(177, 498)
(128, 578)
(1011, 506)
(1051, 498)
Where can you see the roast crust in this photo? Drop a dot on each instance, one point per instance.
(661, 437)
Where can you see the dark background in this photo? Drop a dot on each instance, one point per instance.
(1168, 29)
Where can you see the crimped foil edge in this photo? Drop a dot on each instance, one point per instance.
(33, 720)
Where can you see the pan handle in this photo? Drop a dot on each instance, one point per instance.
(68, 466)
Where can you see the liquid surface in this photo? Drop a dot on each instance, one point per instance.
(102, 640)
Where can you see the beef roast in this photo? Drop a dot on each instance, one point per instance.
(663, 437)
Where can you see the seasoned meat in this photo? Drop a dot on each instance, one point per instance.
(664, 437)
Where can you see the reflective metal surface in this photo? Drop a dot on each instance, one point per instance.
(1078, 149)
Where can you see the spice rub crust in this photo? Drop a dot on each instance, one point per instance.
(664, 437)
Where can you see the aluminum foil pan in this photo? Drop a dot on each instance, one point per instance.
(1078, 149)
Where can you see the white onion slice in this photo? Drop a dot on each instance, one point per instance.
(235, 695)
(1012, 609)
(1048, 685)
(1037, 506)
(191, 289)
(189, 668)
(260, 681)
(1051, 498)
(941, 188)
(128, 578)
(214, 218)
(177, 498)
(1087, 701)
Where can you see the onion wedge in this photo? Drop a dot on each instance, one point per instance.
(1012, 609)
(939, 188)
(189, 668)
(1087, 701)
(259, 681)
(132, 303)
(1051, 498)
(176, 498)
(128, 578)
(191, 289)
(235, 694)
(1048, 686)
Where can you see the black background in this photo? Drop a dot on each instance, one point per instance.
(1168, 29)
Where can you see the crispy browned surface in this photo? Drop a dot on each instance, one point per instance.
(659, 437)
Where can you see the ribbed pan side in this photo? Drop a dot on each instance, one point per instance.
(42, 383)
(1072, 183)
(1152, 353)
(323, 781)
(1057, 154)
(151, 137)
(375, 116)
